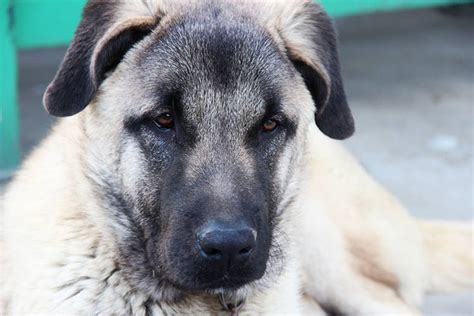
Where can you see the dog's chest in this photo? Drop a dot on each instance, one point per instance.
(87, 285)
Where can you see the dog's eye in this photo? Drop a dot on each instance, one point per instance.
(164, 121)
(270, 125)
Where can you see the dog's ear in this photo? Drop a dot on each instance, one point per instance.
(311, 44)
(99, 44)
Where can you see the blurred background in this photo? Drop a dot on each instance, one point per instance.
(409, 76)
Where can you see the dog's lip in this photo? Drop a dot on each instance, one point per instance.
(222, 283)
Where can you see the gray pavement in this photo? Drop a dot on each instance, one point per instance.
(410, 81)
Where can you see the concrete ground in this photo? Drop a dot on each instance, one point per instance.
(410, 81)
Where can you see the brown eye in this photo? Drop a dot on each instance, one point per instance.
(270, 125)
(164, 120)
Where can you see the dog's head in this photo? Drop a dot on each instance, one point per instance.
(194, 118)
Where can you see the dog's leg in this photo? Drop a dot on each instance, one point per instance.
(329, 277)
(348, 236)
(388, 245)
(449, 251)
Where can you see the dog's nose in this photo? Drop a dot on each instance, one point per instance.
(226, 244)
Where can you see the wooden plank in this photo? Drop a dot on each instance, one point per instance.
(9, 149)
(46, 22)
(52, 22)
(352, 7)
(42, 23)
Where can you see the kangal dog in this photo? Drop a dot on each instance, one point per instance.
(195, 174)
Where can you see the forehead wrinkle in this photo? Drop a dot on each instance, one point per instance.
(183, 58)
(194, 43)
(224, 114)
(231, 108)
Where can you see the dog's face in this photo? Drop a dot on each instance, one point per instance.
(194, 140)
(214, 136)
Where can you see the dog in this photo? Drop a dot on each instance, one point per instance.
(197, 171)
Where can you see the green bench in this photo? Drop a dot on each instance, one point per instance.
(26, 24)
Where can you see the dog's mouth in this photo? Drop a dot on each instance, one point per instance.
(225, 284)
(231, 305)
(231, 300)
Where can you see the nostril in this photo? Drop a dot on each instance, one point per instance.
(207, 247)
(246, 250)
(211, 251)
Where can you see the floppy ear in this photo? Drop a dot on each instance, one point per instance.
(98, 46)
(311, 43)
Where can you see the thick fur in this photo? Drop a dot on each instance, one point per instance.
(57, 262)
(450, 265)
(95, 224)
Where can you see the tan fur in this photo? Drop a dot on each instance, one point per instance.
(450, 257)
(49, 221)
(117, 28)
(353, 247)
(368, 261)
